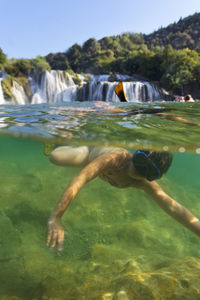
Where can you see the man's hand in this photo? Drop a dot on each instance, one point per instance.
(55, 235)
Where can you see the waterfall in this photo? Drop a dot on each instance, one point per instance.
(101, 91)
(2, 101)
(99, 88)
(138, 91)
(18, 93)
(153, 92)
(56, 86)
(52, 88)
(98, 91)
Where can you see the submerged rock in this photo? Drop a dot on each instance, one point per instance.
(10, 239)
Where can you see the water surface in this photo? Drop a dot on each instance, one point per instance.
(93, 123)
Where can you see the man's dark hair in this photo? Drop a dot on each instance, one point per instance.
(162, 159)
(152, 164)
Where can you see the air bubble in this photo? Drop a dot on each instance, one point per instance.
(181, 149)
(165, 148)
(198, 150)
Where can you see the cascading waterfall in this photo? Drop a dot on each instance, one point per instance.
(58, 86)
(138, 91)
(101, 89)
(18, 93)
(53, 88)
(153, 92)
(2, 101)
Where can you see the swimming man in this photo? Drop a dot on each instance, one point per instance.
(121, 169)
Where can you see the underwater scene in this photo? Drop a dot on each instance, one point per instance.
(119, 244)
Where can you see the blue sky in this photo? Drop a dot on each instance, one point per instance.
(38, 27)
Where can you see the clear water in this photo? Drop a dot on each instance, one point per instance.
(119, 243)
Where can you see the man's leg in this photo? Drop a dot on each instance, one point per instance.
(70, 156)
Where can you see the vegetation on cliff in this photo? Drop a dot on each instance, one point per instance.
(23, 67)
(18, 70)
(2, 58)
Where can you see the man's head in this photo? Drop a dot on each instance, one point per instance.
(152, 165)
(187, 98)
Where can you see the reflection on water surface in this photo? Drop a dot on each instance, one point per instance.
(126, 125)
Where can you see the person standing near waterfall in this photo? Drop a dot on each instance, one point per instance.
(121, 169)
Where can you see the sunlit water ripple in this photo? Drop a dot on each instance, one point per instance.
(88, 122)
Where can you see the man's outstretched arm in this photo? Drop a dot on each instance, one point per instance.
(92, 170)
(173, 208)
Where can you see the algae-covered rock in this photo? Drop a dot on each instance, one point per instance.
(107, 296)
(106, 253)
(10, 240)
(77, 80)
(7, 87)
(48, 289)
(11, 257)
(32, 182)
(121, 295)
(133, 235)
(113, 77)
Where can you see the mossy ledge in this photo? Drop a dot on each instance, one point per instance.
(6, 87)
(7, 84)
(77, 80)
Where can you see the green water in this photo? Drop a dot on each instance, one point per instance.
(118, 242)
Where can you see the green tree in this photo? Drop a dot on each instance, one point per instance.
(74, 54)
(181, 40)
(40, 64)
(126, 43)
(137, 38)
(106, 43)
(181, 70)
(58, 61)
(2, 58)
(112, 43)
(19, 68)
(91, 47)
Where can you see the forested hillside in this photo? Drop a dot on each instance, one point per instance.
(169, 56)
(183, 34)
